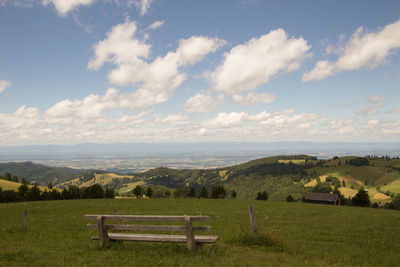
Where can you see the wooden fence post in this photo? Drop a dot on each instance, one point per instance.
(103, 236)
(253, 222)
(117, 221)
(190, 242)
(24, 218)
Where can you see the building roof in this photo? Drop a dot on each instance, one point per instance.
(321, 197)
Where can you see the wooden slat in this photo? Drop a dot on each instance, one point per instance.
(146, 217)
(159, 238)
(128, 227)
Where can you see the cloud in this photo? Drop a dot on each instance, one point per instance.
(395, 110)
(254, 63)
(173, 118)
(143, 5)
(119, 47)
(4, 84)
(364, 49)
(377, 99)
(155, 25)
(372, 124)
(156, 80)
(228, 119)
(375, 102)
(90, 107)
(251, 98)
(200, 103)
(65, 6)
(321, 70)
(371, 110)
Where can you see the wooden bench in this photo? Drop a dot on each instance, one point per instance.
(189, 238)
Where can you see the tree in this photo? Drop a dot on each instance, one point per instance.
(322, 188)
(233, 194)
(396, 202)
(218, 191)
(149, 192)
(262, 195)
(7, 176)
(192, 192)
(203, 192)
(109, 193)
(22, 192)
(34, 193)
(343, 183)
(95, 191)
(137, 191)
(50, 185)
(289, 198)
(361, 199)
(359, 161)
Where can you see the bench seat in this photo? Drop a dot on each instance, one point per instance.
(159, 238)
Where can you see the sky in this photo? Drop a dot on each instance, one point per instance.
(126, 71)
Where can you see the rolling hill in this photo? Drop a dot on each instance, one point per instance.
(40, 173)
(278, 175)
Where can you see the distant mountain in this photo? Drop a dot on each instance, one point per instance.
(40, 173)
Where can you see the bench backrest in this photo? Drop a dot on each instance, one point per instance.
(188, 227)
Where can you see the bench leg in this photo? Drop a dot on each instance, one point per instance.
(190, 242)
(103, 236)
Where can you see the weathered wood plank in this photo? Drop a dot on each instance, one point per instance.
(146, 217)
(159, 238)
(130, 227)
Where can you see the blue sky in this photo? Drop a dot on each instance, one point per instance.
(76, 71)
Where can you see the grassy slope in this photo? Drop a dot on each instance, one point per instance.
(8, 185)
(304, 234)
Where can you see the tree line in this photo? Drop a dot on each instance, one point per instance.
(27, 192)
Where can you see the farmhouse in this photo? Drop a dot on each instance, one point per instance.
(322, 198)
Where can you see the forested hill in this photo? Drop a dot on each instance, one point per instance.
(40, 173)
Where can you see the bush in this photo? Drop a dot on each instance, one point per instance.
(289, 198)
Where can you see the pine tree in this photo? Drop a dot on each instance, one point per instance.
(203, 193)
(361, 199)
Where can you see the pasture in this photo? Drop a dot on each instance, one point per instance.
(292, 234)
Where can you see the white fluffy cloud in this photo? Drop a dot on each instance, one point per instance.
(156, 24)
(200, 103)
(90, 107)
(364, 49)
(254, 63)
(65, 6)
(251, 98)
(4, 84)
(155, 80)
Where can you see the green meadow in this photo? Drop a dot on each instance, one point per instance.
(291, 234)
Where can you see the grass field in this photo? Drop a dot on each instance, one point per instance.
(300, 234)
